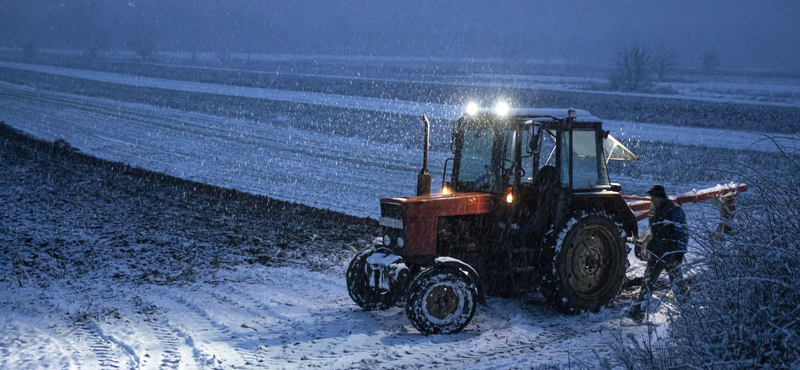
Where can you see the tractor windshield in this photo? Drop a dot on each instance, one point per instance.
(476, 160)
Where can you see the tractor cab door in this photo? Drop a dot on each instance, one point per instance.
(578, 166)
(581, 163)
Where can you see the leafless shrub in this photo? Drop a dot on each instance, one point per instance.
(710, 61)
(632, 69)
(664, 61)
(744, 299)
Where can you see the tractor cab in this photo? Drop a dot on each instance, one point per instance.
(567, 149)
(533, 162)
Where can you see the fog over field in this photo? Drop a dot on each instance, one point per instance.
(746, 34)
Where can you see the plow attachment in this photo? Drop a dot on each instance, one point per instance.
(723, 194)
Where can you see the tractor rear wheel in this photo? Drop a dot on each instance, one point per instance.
(586, 265)
(365, 296)
(441, 300)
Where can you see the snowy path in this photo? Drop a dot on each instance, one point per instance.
(719, 92)
(261, 317)
(434, 110)
(328, 171)
(716, 92)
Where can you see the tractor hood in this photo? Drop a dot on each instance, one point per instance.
(438, 205)
(417, 217)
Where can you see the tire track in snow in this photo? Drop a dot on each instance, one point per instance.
(320, 329)
(171, 355)
(221, 334)
(102, 350)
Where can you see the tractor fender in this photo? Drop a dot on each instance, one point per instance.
(449, 262)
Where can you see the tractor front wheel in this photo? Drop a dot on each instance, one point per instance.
(586, 264)
(365, 296)
(441, 300)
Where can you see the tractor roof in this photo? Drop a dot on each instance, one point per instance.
(580, 115)
(614, 150)
(559, 113)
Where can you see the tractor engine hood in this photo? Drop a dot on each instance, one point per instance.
(418, 216)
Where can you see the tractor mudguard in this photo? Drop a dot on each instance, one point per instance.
(450, 262)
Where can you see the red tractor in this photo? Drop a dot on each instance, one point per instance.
(528, 203)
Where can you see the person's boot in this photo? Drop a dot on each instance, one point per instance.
(636, 312)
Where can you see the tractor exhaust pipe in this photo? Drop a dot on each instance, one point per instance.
(424, 178)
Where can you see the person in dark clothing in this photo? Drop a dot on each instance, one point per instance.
(670, 237)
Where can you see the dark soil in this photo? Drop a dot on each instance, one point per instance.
(65, 214)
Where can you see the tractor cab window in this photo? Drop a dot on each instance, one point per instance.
(476, 160)
(588, 170)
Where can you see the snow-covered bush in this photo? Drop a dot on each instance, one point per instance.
(743, 309)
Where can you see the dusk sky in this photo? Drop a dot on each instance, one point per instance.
(746, 34)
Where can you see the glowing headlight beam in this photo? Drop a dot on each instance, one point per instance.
(501, 108)
(472, 108)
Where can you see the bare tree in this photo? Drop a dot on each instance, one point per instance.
(143, 44)
(95, 44)
(664, 61)
(710, 60)
(632, 69)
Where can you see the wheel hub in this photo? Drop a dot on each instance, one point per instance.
(587, 261)
(442, 302)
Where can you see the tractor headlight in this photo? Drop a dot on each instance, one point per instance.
(501, 108)
(472, 108)
(387, 241)
(400, 242)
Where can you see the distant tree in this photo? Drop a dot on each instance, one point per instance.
(710, 60)
(143, 44)
(92, 27)
(29, 50)
(664, 61)
(633, 68)
(95, 44)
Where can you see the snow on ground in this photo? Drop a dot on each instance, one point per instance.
(743, 92)
(326, 171)
(102, 268)
(252, 315)
(433, 110)
(281, 317)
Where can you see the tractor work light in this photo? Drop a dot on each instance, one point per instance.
(387, 240)
(509, 196)
(400, 242)
(446, 190)
(472, 108)
(501, 108)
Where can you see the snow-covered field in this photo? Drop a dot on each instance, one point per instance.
(253, 316)
(328, 171)
(109, 270)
